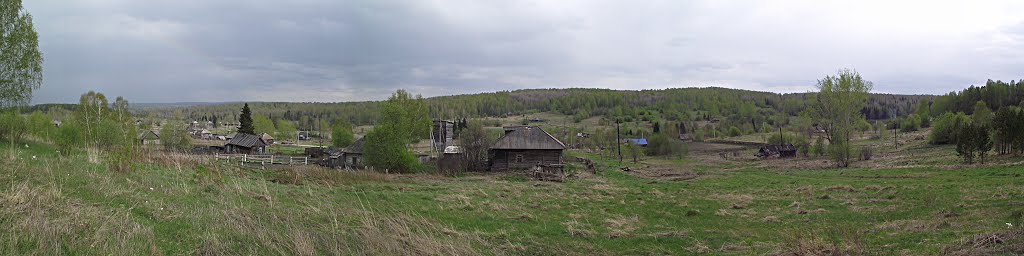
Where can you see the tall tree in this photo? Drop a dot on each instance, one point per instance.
(475, 142)
(245, 121)
(385, 144)
(263, 124)
(341, 135)
(21, 63)
(840, 99)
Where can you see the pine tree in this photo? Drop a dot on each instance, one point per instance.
(245, 121)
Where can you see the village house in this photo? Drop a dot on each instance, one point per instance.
(267, 138)
(639, 142)
(245, 144)
(353, 154)
(148, 137)
(524, 147)
(205, 134)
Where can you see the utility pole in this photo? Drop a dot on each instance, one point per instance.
(782, 139)
(320, 129)
(895, 127)
(618, 141)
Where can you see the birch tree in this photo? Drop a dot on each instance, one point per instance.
(839, 101)
(21, 63)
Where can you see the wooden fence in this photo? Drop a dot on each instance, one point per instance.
(262, 159)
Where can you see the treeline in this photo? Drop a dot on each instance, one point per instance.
(996, 95)
(740, 108)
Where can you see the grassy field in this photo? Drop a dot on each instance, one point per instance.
(916, 200)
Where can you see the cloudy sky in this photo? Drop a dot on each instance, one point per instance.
(335, 50)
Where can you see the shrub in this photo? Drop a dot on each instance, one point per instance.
(734, 131)
(865, 153)
(819, 147)
(944, 127)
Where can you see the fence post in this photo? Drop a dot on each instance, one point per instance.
(271, 159)
(305, 161)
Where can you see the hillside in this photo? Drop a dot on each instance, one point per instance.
(734, 107)
(916, 200)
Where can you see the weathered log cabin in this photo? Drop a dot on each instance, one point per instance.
(353, 154)
(245, 144)
(523, 147)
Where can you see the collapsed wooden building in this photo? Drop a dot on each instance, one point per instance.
(525, 147)
(780, 150)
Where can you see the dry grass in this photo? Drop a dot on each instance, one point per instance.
(42, 219)
(575, 228)
(1009, 242)
(402, 234)
(317, 175)
(805, 244)
(622, 226)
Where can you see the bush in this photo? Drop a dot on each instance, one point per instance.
(944, 127)
(69, 136)
(734, 131)
(819, 147)
(12, 126)
(663, 145)
(911, 123)
(865, 153)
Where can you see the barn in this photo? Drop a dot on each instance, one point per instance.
(524, 147)
(245, 144)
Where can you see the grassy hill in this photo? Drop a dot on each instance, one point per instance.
(921, 202)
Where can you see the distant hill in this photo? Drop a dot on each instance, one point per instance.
(177, 104)
(733, 106)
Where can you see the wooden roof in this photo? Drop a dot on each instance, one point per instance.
(247, 140)
(527, 137)
(356, 147)
(147, 135)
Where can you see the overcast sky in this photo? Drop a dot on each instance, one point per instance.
(334, 50)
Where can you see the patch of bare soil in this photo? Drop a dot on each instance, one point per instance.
(662, 172)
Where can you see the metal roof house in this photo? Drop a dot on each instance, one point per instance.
(639, 142)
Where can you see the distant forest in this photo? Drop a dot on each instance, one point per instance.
(733, 107)
(995, 94)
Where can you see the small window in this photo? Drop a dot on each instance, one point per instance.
(519, 158)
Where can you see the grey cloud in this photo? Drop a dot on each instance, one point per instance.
(325, 50)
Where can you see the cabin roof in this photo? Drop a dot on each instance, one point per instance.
(356, 147)
(147, 135)
(247, 140)
(527, 137)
